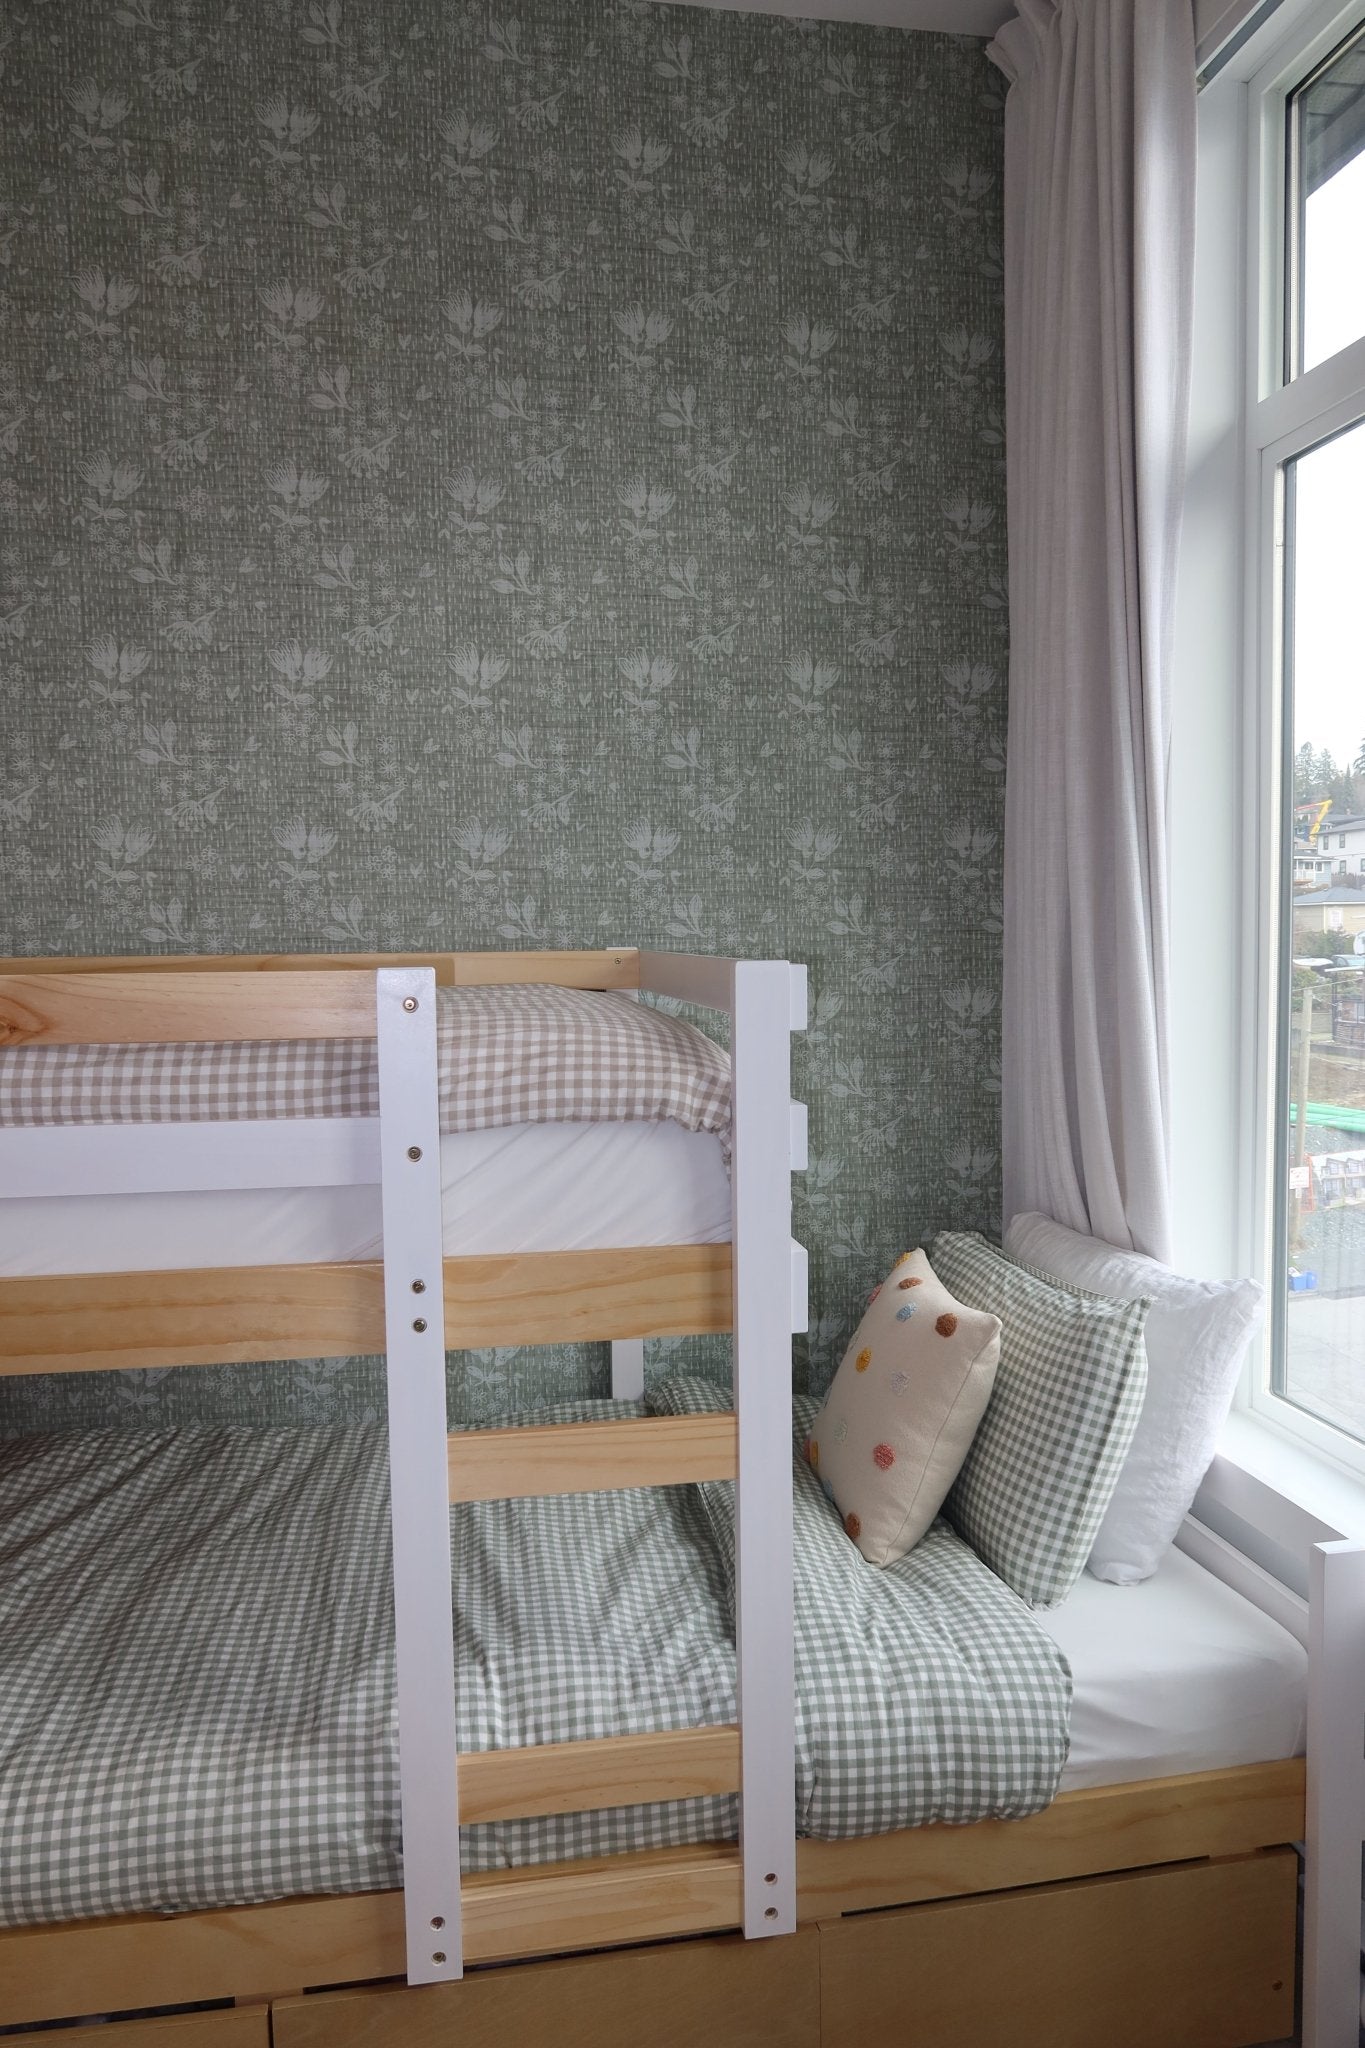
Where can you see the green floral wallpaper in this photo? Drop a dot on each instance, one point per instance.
(525, 474)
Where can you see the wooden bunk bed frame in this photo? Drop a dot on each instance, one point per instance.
(1000, 1932)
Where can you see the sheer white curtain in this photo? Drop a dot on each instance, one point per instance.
(1099, 249)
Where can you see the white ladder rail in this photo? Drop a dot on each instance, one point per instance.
(767, 1001)
(762, 1012)
(414, 1314)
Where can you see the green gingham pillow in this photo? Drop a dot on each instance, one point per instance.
(1073, 1369)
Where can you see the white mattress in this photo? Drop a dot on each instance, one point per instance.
(1177, 1674)
(520, 1188)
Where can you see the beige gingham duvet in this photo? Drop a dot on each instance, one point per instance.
(516, 1054)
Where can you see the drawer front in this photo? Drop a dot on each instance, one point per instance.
(1194, 1955)
(724, 1993)
(243, 2027)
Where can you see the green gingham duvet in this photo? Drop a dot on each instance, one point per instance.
(196, 1665)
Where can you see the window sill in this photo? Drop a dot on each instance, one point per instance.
(1314, 1484)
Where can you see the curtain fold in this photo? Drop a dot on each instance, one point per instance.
(1099, 260)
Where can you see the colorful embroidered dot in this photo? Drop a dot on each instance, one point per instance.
(863, 1360)
(945, 1325)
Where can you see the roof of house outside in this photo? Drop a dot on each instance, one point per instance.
(1336, 894)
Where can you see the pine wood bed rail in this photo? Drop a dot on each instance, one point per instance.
(583, 1777)
(530, 1462)
(182, 1009)
(54, 1972)
(107, 1322)
(613, 967)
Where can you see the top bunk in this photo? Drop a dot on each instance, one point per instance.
(214, 1165)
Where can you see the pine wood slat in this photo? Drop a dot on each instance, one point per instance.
(591, 1457)
(583, 1777)
(291, 1944)
(247, 2027)
(613, 1899)
(738, 1994)
(1197, 1955)
(99, 1322)
(614, 967)
(231, 963)
(177, 1008)
(1107, 1827)
(587, 1297)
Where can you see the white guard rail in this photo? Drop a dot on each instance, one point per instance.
(1330, 1623)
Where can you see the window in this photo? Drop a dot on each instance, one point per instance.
(1325, 140)
(1306, 436)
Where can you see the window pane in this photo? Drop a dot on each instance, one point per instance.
(1320, 1353)
(1327, 207)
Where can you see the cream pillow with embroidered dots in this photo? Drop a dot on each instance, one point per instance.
(903, 1409)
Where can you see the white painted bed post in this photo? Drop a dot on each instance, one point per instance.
(1331, 1626)
(414, 1317)
(763, 1008)
(1336, 1795)
(628, 1369)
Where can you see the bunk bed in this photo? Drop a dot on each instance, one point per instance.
(843, 1940)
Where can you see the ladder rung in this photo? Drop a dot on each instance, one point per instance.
(591, 1457)
(581, 1777)
(610, 1900)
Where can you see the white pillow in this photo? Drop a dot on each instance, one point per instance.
(1197, 1334)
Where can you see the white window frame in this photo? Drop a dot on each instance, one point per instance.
(1281, 419)
(1228, 844)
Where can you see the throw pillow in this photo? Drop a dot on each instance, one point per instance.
(903, 1409)
(1035, 1484)
(1197, 1335)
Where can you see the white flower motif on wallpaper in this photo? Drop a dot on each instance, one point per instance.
(526, 475)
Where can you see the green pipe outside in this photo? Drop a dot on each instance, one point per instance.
(1331, 1114)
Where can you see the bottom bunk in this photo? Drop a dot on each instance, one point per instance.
(1161, 1911)
(198, 1784)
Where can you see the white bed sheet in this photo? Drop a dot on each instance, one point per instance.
(519, 1188)
(1177, 1674)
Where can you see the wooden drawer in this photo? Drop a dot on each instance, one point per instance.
(244, 2027)
(1190, 1955)
(721, 1993)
